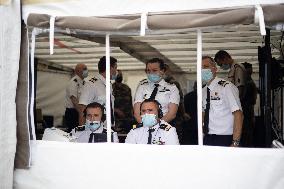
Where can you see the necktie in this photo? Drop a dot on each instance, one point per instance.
(154, 93)
(206, 116)
(150, 135)
(92, 137)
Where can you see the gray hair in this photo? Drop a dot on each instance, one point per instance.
(212, 62)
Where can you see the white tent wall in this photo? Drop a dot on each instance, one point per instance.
(10, 39)
(50, 94)
(265, 168)
(128, 166)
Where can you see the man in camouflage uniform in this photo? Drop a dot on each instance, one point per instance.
(237, 74)
(181, 117)
(248, 108)
(122, 104)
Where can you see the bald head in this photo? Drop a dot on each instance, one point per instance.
(79, 69)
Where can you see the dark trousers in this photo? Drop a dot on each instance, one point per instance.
(71, 118)
(217, 140)
(248, 126)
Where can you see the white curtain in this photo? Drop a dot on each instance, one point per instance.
(10, 38)
(50, 95)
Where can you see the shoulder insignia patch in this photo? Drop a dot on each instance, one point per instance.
(165, 127)
(105, 131)
(138, 126)
(143, 81)
(223, 83)
(80, 128)
(93, 80)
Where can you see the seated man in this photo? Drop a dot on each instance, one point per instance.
(153, 130)
(93, 130)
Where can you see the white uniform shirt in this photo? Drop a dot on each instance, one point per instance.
(83, 136)
(167, 93)
(73, 89)
(224, 100)
(164, 134)
(95, 91)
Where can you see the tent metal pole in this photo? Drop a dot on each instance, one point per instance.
(199, 87)
(35, 32)
(108, 104)
(267, 91)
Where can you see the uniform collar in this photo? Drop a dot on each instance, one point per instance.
(161, 83)
(156, 126)
(234, 63)
(213, 83)
(78, 78)
(100, 77)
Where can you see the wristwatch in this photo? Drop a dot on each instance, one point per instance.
(236, 142)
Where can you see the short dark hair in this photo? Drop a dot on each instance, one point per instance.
(157, 60)
(159, 106)
(102, 63)
(220, 55)
(94, 105)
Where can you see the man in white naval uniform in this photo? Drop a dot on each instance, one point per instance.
(155, 87)
(93, 131)
(95, 89)
(222, 111)
(153, 130)
(73, 92)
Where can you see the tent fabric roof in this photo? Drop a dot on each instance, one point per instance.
(162, 21)
(87, 8)
(181, 22)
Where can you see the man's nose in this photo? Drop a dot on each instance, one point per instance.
(148, 111)
(92, 118)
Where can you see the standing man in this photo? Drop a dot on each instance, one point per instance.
(237, 74)
(95, 89)
(92, 131)
(248, 108)
(153, 130)
(155, 87)
(73, 92)
(190, 131)
(123, 109)
(222, 111)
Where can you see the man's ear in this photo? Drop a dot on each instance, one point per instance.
(215, 69)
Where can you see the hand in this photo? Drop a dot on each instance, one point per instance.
(232, 145)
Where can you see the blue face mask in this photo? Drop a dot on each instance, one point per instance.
(206, 75)
(85, 73)
(93, 125)
(149, 120)
(154, 77)
(225, 66)
(113, 77)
